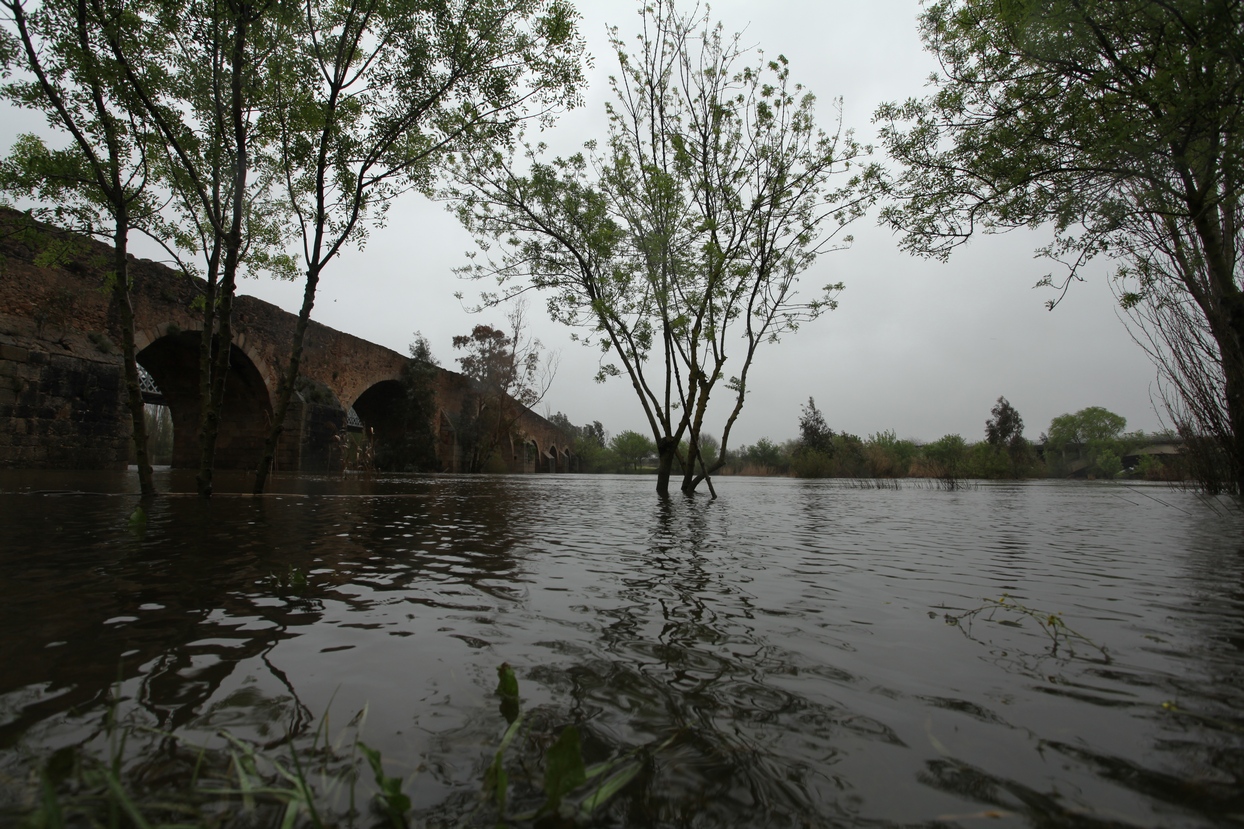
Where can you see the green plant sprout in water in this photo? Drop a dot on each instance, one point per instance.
(293, 581)
(572, 791)
(1051, 624)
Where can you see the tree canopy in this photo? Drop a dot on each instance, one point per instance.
(676, 242)
(375, 94)
(1085, 426)
(1005, 426)
(1117, 124)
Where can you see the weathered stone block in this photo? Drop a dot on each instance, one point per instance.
(14, 353)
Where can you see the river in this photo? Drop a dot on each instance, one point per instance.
(795, 653)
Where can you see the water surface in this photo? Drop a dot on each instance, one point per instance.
(789, 641)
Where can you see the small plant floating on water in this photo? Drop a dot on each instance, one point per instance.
(292, 582)
(1051, 624)
(1171, 708)
(138, 522)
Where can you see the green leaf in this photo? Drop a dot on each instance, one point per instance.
(608, 789)
(563, 767)
(507, 683)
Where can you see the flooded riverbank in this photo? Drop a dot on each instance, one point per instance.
(790, 646)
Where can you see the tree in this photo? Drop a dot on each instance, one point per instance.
(678, 242)
(765, 455)
(589, 443)
(511, 375)
(1085, 426)
(205, 93)
(1004, 432)
(814, 433)
(888, 456)
(1005, 427)
(1091, 435)
(949, 456)
(1120, 124)
(632, 448)
(418, 414)
(1168, 324)
(374, 94)
(99, 183)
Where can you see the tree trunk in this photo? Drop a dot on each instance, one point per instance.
(210, 429)
(1225, 315)
(222, 342)
(1233, 388)
(134, 394)
(286, 387)
(206, 339)
(667, 449)
(688, 473)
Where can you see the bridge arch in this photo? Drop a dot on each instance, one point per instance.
(172, 360)
(380, 408)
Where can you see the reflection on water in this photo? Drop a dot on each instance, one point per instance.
(790, 638)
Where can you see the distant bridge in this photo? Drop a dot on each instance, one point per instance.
(62, 395)
(1163, 447)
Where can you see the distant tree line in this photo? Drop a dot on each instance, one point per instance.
(1091, 443)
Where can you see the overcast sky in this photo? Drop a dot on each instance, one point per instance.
(918, 347)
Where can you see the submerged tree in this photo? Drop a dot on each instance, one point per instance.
(678, 242)
(1120, 123)
(374, 94)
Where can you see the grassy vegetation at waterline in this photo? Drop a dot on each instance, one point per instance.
(150, 779)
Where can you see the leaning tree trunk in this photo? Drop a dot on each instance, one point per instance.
(1225, 315)
(1233, 387)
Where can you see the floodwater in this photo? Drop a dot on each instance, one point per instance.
(786, 653)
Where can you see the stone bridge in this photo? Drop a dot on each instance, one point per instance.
(62, 393)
